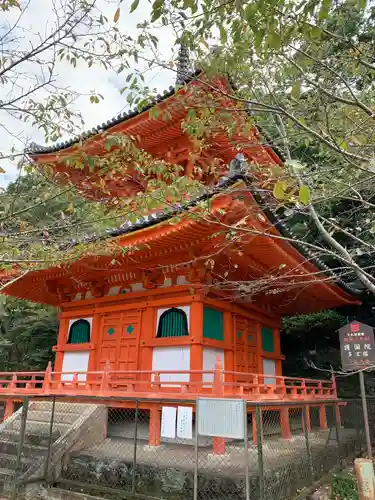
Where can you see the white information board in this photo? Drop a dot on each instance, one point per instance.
(221, 417)
(185, 422)
(168, 422)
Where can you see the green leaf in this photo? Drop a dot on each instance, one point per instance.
(344, 145)
(274, 40)
(324, 10)
(304, 195)
(189, 4)
(223, 35)
(249, 14)
(279, 190)
(157, 10)
(316, 32)
(191, 114)
(296, 90)
(134, 6)
(92, 98)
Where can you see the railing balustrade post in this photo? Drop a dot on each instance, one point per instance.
(218, 390)
(13, 382)
(47, 378)
(105, 380)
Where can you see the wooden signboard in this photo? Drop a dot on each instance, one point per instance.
(357, 346)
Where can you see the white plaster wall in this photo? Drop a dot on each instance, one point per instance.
(181, 280)
(172, 358)
(210, 355)
(269, 368)
(137, 287)
(77, 361)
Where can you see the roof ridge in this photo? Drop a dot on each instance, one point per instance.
(35, 148)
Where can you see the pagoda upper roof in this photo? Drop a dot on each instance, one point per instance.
(161, 138)
(37, 149)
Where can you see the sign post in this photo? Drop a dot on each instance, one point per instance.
(357, 349)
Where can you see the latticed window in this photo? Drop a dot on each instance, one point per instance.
(213, 326)
(79, 332)
(268, 343)
(173, 323)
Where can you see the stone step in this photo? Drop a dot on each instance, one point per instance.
(10, 446)
(30, 438)
(76, 408)
(6, 474)
(58, 417)
(61, 494)
(42, 428)
(10, 461)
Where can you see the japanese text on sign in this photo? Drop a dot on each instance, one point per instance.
(357, 346)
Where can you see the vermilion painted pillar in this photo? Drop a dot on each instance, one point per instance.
(94, 339)
(323, 417)
(147, 333)
(338, 415)
(218, 446)
(285, 424)
(196, 351)
(9, 408)
(154, 426)
(308, 421)
(218, 443)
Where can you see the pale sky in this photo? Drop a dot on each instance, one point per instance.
(37, 18)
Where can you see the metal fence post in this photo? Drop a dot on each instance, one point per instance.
(25, 409)
(260, 452)
(307, 441)
(47, 477)
(196, 456)
(135, 445)
(246, 454)
(337, 427)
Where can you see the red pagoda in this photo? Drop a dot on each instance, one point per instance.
(153, 322)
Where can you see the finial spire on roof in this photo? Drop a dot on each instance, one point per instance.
(183, 64)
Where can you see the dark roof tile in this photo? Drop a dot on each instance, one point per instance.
(35, 148)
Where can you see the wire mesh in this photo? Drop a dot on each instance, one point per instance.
(283, 441)
(222, 465)
(105, 450)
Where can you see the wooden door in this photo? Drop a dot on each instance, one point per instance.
(245, 333)
(119, 341)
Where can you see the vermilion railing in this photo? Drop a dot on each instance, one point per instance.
(171, 384)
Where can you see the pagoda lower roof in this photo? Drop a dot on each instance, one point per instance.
(184, 242)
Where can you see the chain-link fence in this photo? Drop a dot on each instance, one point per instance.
(144, 448)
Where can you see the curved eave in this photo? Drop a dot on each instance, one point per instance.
(169, 241)
(142, 125)
(42, 151)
